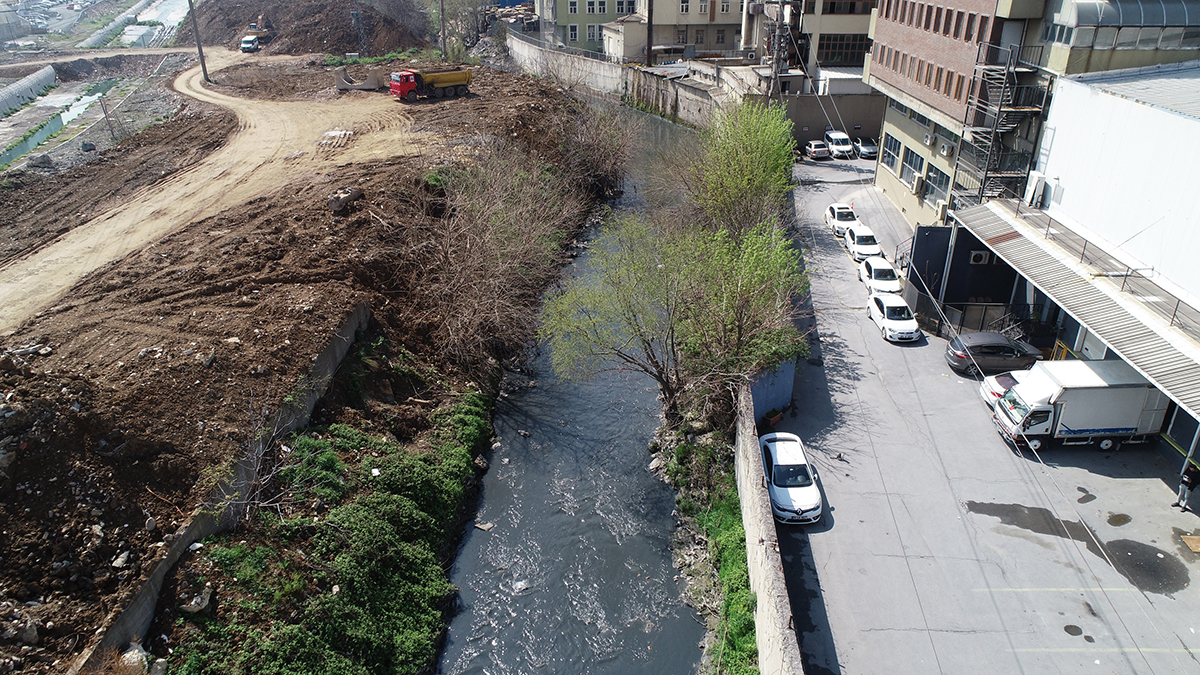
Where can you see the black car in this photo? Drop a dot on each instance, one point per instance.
(971, 353)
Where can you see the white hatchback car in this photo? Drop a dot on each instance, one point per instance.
(839, 216)
(880, 276)
(791, 481)
(895, 320)
(860, 241)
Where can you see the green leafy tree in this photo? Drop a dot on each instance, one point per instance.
(743, 174)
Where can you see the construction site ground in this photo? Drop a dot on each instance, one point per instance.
(157, 294)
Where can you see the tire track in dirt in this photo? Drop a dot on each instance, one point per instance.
(278, 142)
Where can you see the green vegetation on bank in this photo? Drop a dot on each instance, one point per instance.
(358, 589)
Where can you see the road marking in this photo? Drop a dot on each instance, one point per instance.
(1050, 590)
(1103, 650)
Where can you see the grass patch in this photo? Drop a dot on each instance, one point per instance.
(707, 493)
(359, 590)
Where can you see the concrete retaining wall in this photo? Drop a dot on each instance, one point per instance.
(778, 649)
(773, 389)
(135, 619)
(127, 17)
(25, 89)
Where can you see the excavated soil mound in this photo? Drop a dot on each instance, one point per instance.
(302, 27)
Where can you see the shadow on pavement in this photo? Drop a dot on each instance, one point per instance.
(809, 616)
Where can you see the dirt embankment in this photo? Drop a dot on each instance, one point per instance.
(156, 367)
(303, 27)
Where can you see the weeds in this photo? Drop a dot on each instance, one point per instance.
(369, 594)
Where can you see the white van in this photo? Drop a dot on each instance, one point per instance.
(839, 144)
(250, 43)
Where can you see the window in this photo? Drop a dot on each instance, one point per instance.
(898, 106)
(1171, 37)
(725, 6)
(720, 36)
(591, 5)
(937, 185)
(921, 119)
(958, 88)
(683, 7)
(949, 83)
(928, 74)
(699, 35)
(903, 64)
(937, 80)
(704, 7)
(958, 24)
(948, 22)
(573, 33)
(842, 7)
(969, 33)
(937, 20)
(1148, 38)
(573, 7)
(1106, 37)
(920, 13)
(844, 49)
(681, 37)
(891, 152)
(983, 25)
(920, 70)
(913, 166)
(602, 6)
(1127, 38)
(591, 32)
(1191, 38)
(928, 16)
(912, 67)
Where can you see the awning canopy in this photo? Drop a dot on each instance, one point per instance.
(1129, 318)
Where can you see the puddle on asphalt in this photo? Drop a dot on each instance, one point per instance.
(1119, 519)
(1150, 569)
(1087, 496)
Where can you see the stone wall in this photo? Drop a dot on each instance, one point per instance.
(134, 620)
(778, 649)
(128, 17)
(25, 89)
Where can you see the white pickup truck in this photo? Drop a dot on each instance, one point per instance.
(1080, 402)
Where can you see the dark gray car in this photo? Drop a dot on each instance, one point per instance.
(971, 353)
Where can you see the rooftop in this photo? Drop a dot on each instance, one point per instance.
(1173, 87)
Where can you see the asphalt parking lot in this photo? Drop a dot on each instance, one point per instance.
(942, 550)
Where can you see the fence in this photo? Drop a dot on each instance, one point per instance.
(1153, 297)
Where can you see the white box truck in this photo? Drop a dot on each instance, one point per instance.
(1080, 402)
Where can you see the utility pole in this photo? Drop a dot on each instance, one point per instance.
(442, 13)
(650, 33)
(199, 49)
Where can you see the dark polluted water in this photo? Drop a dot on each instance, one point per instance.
(574, 574)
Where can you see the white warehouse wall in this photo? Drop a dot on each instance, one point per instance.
(1123, 167)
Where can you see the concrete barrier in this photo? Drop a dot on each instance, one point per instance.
(126, 18)
(778, 649)
(25, 89)
(134, 620)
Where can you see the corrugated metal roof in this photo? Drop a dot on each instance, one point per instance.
(1164, 355)
(1174, 87)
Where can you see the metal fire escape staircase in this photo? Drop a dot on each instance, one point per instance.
(997, 105)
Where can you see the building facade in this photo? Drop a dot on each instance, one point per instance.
(1100, 248)
(968, 85)
(704, 25)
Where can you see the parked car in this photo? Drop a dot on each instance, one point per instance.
(994, 386)
(839, 144)
(839, 216)
(895, 320)
(816, 150)
(866, 148)
(972, 353)
(880, 276)
(791, 481)
(860, 242)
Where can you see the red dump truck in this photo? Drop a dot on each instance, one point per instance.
(409, 84)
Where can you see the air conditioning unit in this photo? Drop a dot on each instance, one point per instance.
(918, 185)
(941, 210)
(946, 150)
(928, 139)
(980, 257)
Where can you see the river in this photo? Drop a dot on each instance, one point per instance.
(575, 574)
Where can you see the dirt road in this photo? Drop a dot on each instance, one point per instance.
(278, 142)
